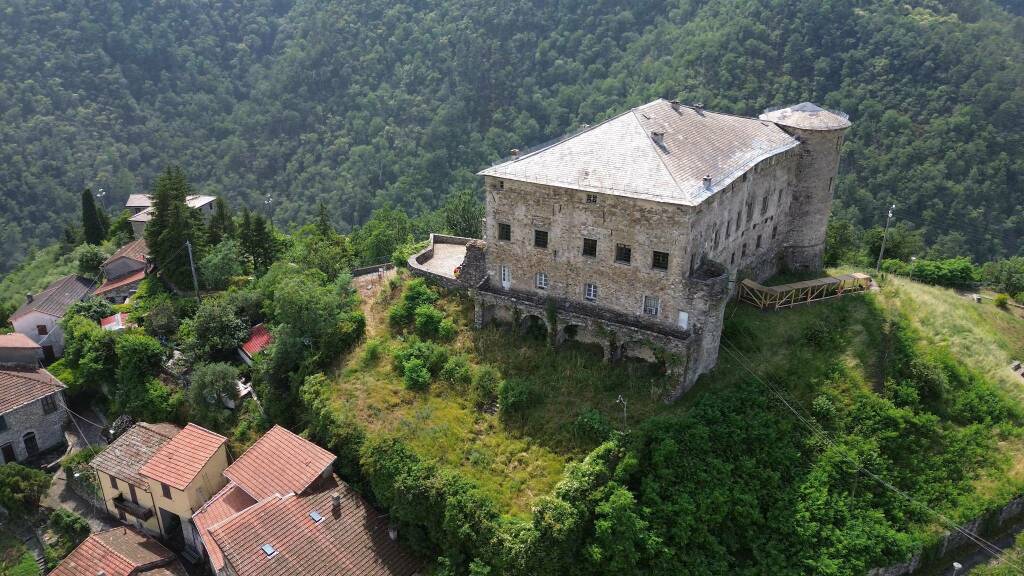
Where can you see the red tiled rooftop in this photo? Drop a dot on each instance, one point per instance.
(177, 462)
(109, 285)
(352, 540)
(21, 386)
(259, 338)
(229, 501)
(115, 322)
(16, 340)
(134, 250)
(119, 552)
(279, 463)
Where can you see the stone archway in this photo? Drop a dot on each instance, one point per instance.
(533, 326)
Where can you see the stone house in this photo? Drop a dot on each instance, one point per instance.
(119, 552)
(141, 206)
(39, 317)
(631, 233)
(123, 271)
(32, 411)
(156, 476)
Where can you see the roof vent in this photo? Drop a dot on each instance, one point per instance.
(268, 550)
(658, 137)
(707, 182)
(674, 104)
(316, 517)
(336, 502)
(29, 297)
(699, 107)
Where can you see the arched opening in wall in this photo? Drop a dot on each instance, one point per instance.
(575, 338)
(640, 359)
(533, 327)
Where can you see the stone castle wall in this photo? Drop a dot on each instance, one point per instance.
(812, 197)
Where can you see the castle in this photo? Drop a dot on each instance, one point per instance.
(631, 233)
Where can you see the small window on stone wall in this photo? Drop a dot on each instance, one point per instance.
(775, 230)
(659, 260)
(504, 231)
(758, 240)
(49, 405)
(732, 259)
(590, 292)
(750, 211)
(652, 305)
(764, 205)
(623, 253)
(542, 280)
(590, 247)
(540, 238)
(716, 239)
(591, 198)
(743, 249)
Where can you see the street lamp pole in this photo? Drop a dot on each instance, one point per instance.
(885, 234)
(913, 264)
(956, 567)
(624, 402)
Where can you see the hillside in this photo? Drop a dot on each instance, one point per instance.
(911, 383)
(362, 103)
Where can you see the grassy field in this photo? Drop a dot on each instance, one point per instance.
(519, 459)
(15, 559)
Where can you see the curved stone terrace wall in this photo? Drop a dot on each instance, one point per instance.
(438, 260)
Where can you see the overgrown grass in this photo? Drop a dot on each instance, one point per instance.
(15, 559)
(33, 275)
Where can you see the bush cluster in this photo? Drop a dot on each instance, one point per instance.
(950, 272)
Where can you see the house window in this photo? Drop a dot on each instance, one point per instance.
(542, 280)
(506, 275)
(135, 497)
(743, 250)
(659, 260)
(750, 211)
(504, 232)
(775, 230)
(623, 253)
(166, 490)
(739, 219)
(758, 240)
(501, 184)
(590, 247)
(49, 405)
(540, 238)
(732, 259)
(591, 198)
(113, 482)
(42, 330)
(764, 205)
(716, 239)
(590, 292)
(728, 229)
(652, 305)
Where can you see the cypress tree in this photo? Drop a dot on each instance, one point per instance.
(92, 223)
(221, 225)
(323, 221)
(173, 223)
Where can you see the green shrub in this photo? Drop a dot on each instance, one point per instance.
(433, 356)
(456, 372)
(416, 294)
(372, 352)
(821, 335)
(514, 397)
(69, 525)
(21, 488)
(428, 320)
(591, 427)
(1002, 301)
(486, 383)
(415, 374)
(447, 330)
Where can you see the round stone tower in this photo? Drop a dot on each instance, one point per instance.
(820, 132)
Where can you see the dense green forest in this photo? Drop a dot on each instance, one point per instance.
(363, 103)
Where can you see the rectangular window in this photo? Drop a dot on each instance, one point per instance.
(42, 329)
(659, 260)
(758, 240)
(732, 259)
(739, 220)
(623, 253)
(166, 490)
(775, 230)
(743, 249)
(540, 238)
(728, 229)
(542, 280)
(49, 405)
(590, 292)
(750, 211)
(764, 204)
(590, 247)
(504, 232)
(591, 198)
(506, 275)
(135, 497)
(652, 305)
(3, 423)
(113, 483)
(716, 239)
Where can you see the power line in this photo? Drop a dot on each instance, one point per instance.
(816, 429)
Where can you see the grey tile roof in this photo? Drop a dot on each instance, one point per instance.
(807, 116)
(57, 297)
(21, 386)
(132, 450)
(621, 157)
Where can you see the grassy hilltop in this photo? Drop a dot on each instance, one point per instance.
(911, 383)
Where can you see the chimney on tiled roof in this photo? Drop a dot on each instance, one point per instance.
(515, 153)
(707, 182)
(699, 107)
(29, 297)
(674, 104)
(393, 532)
(658, 137)
(336, 502)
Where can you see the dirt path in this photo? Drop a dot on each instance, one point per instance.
(369, 286)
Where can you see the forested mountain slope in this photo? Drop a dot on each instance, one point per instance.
(364, 102)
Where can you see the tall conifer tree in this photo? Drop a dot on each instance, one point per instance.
(92, 222)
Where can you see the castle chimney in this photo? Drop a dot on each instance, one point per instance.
(707, 182)
(699, 107)
(393, 532)
(515, 153)
(658, 137)
(336, 502)
(29, 297)
(674, 104)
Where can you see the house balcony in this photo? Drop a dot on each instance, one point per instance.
(132, 509)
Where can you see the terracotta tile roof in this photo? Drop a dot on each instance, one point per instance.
(120, 552)
(57, 297)
(279, 463)
(116, 322)
(134, 250)
(229, 501)
(259, 338)
(177, 462)
(620, 156)
(17, 340)
(353, 540)
(21, 386)
(109, 285)
(126, 456)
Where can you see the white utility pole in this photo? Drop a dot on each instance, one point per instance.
(192, 265)
(881, 252)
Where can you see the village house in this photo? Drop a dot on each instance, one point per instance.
(141, 206)
(32, 411)
(259, 340)
(631, 233)
(283, 512)
(155, 476)
(116, 322)
(123, 271)
(39, 317)
(120, 552)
